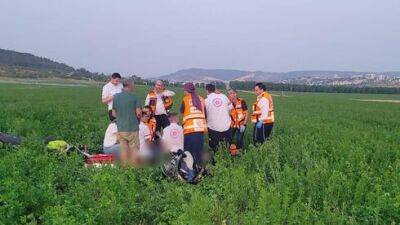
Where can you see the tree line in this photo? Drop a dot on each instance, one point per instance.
(249, 85)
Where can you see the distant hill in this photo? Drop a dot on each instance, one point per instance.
(24, 65)
(310, 77)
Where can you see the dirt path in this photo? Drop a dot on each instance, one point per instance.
(376, 100)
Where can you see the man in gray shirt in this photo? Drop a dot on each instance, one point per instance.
(127, 111)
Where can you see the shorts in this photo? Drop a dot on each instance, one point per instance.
(130, 139)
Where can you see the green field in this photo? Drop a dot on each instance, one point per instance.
(332, 160)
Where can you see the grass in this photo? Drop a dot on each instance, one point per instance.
(332, 160)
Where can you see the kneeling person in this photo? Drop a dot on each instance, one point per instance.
(152, 122)
(172, 141)
(110, 143)
(172, 138)
(145, 138)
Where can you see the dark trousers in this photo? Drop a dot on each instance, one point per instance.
(193, 143)
(238, 137)
(216, 137)
(162, 121)
(110, 116)
(262, 134)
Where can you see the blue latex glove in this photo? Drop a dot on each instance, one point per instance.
(259, 124)
(242, 128)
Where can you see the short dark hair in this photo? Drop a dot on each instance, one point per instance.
(210, 87)
(232, 89)
(172, 114)
(261, 86)
(116, 75)
(147, 107)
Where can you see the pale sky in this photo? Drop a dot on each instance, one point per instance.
(151, 38)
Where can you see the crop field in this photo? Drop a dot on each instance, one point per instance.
(332, 160)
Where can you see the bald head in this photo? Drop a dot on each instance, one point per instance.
(159, 86)
(127, 85)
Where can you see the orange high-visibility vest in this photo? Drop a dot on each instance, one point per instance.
(257, 110)
(238, 114)
(194, 120)
(167, 100)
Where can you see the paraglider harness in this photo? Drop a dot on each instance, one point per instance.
(91, 160)
(181, 167)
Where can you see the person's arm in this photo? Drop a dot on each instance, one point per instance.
(138, 112)
(147, 101)
(264, 106)
(168, 93)
(228, 102)
(147, 136)
(114, 112)
(246, 111)
(106, 97)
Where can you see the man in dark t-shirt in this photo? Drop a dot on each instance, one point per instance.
(127, 111)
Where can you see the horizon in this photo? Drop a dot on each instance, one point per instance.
(151, 39)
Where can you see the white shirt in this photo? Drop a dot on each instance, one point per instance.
(218, 109)
(173, 137)
(144, 134)
(263, 104)
(110, 137)
(160, 108)
(110, 90)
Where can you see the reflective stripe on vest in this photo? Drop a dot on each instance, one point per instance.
(194, 120)
(168, 101)
(257, 110)
(238, 115)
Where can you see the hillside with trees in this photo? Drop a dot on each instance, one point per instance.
(24, 65)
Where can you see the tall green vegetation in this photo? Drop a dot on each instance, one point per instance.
(332, 160)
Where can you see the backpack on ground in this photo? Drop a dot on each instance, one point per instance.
(180, 166)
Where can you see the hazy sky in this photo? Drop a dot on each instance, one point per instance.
(151, 38)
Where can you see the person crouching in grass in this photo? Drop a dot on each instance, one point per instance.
(148, 150)
(172, 143)
(152, 123)
(172, 138)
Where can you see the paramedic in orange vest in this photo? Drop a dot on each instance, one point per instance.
(151, 123)
(263, 114)
(194, 123)
(239, 117)
(160, 101)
